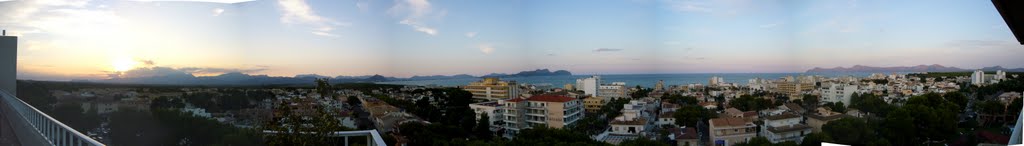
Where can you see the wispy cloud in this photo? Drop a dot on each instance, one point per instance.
(299, 12)
(414, 13)
(218, 11)
(771, 25)
(486, 48)
(688, 6)
(157, 71)
(606, 50)
(471, 34)
(212, 1)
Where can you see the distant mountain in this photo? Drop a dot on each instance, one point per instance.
(236, 78)
(538, 72)
(918, 68)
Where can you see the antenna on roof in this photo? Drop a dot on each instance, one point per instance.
(5, 33)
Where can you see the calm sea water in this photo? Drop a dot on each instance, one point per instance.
(645, 80)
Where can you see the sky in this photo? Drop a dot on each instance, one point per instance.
(99, 39)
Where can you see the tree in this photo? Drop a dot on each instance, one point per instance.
(750, 103)
(689, 115)
(1014, 107)
(756, 141)
(324, 87)
(900, 127)
(641, 141)
(815, 139)
(849, 130)
(353, 101)
(483, 127)
(837, 107)
(810, 102)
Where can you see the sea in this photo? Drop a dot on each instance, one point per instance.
(644, 80)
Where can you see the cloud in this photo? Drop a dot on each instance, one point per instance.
(688, 6)
(217, 11)
(415, 13)
(470, 34)
(771, 25)
(486, 49)
(606, 50)
(975, 45)
(211, 1)
(363, 6)
(299, 12)
(552, 54)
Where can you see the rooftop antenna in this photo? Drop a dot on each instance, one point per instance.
(5, 33)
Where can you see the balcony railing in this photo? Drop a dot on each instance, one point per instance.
(373, 137)
(33, 127)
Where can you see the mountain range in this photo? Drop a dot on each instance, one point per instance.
(918, 68)
(236, 78)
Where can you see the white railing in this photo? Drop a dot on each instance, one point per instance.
(372, 136)
(33, 127)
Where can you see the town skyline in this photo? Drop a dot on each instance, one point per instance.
(414, 37)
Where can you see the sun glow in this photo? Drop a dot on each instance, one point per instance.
(121, 64)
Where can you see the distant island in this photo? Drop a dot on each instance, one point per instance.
(538, 72)
(236, 78)
(918, 68)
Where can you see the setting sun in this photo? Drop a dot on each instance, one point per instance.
(121, 64)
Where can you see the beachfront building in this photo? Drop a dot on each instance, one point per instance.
(594, 104)
(553, 111)
(588, 85)
(792, 88)
(493, 89)
(615, 90)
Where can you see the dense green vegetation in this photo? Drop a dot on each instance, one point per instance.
(751, 103)
(172, 127)
(924, 119)
(689, 115)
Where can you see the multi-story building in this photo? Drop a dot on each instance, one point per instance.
(784, 127)
(731, 130)
(978, 78)
(660, 86)
(588, 85)
(615, 90)
(491, 109)
(792, 88)
(594, 104)
(552, 111)
(715, 81)
(838, 93)
(493, 89)
(821, 117)
(635, 119)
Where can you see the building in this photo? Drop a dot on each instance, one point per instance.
(1000, 75)
(553, 111)
(784, 127)
(588, 85)
(666, 118)
(493, 89)
(636, 118)
(660, 86)
(838, 93)
(8, 66)
(569, 87)
(491, 109)
(615, 90)
(594, 104)
(685, 136)
(730, 130)
(822, 117)
(792, 88)
(978, 78)
(715, 81)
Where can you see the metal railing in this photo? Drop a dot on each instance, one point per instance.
(33, 127)
(373, 137)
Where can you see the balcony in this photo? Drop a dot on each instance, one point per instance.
(22, 124)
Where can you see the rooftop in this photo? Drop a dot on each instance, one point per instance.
(782, 116)
(730, 122)
(551, 98)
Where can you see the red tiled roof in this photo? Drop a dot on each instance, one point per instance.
(515, 100)
(551, 98)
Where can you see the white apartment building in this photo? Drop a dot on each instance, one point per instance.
(784, 127)
(838, 93)
(978, 78)
(553, 111)
(588, 85)
(491, 108)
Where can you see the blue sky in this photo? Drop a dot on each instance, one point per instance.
(89, 39)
